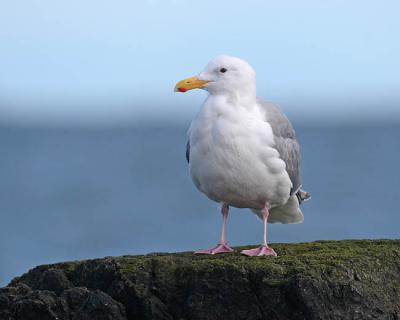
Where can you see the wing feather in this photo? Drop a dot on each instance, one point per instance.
(188, 150)
(285, 141)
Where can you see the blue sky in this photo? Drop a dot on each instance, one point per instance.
(115, 61)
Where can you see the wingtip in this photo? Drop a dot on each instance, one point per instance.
(303, 195)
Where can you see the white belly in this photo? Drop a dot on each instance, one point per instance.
(232, 160)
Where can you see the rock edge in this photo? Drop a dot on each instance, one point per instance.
(351, 279)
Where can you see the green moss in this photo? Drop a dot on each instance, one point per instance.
(314, 258)
(333, 257)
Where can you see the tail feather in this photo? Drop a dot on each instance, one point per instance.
(289, 212)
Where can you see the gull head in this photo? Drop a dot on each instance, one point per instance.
(222, 75)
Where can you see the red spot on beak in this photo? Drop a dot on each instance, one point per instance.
(182, 89)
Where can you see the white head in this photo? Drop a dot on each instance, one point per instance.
(223, 75)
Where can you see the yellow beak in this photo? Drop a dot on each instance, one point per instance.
(189, 84)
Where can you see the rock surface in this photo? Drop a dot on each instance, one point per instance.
(353, 279)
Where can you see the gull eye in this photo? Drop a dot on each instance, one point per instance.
(223, 70)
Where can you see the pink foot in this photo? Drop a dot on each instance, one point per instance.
(260, 251)
(219, 248)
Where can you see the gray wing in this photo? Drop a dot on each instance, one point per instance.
(188, 144)
(188, 150)
(285, 141)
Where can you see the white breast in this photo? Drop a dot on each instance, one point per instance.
(232, 158)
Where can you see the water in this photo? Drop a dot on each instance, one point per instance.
(70, 194)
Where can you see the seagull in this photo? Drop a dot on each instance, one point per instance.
(242, 151)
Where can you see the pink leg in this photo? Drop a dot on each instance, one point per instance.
(222, 246)
(263, 250)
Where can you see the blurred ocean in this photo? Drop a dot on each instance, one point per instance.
(81, 193)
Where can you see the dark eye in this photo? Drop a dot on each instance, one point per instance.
(223, 70)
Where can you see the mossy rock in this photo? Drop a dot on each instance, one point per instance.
(352, 279)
